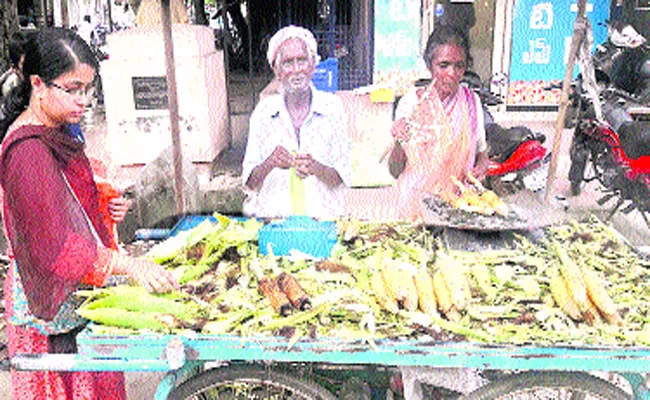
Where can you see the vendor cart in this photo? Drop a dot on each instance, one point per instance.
(203, 363)
(207, 366)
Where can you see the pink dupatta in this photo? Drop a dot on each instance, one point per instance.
(443, 144)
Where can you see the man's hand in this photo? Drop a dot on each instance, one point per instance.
(305, 165)
(280, 158)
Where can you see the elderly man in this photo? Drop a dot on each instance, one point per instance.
(296, 158)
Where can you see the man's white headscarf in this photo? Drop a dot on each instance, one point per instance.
(291, 32)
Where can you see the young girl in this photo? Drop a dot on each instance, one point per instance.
(56, 236)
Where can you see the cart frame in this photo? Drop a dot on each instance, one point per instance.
(183, 356)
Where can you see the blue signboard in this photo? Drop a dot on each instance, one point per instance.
(541, 36)
(397, 39)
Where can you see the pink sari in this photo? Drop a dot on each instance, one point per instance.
(442, 145)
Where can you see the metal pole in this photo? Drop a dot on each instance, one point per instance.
(110, 16)
(172, 96)
(250, 51)
(331, 27)
(578, 37)
(226, 67)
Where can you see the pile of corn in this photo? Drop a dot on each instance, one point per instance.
(580, 284)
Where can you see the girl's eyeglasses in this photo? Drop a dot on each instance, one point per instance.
(81, 92)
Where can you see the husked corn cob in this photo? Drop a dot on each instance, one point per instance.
(455, 280)
(426, 294)
(492, 200)
(400, 288)
(574, 280)
(598, 295)
(411, 298)
(495, 202)
(383, 296)
(443, 296)
(591, 314)
(562, 297)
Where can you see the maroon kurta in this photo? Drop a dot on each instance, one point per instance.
(49, 234)
(55, 249)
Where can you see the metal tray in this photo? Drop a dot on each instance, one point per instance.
(527, 211)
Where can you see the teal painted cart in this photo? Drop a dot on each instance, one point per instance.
(202, 366)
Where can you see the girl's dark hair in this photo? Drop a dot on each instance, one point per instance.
(16, 48)
(442, 35)
(49, 53)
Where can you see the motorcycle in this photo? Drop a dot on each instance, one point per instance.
(516, 154)
(610, 137)
(623, 61)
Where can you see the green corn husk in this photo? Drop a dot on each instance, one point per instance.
(128, 319)
(137, 299)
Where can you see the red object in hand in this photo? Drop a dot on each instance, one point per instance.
(107, 192)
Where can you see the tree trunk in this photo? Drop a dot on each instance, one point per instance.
(8, 25)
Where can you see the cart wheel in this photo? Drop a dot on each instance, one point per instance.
(549, 385)
(248, 382)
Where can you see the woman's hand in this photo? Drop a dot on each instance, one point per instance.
(118, 207)
(153, 277)
(481, 166)
(401, 130)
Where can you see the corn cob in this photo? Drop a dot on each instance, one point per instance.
(598, 295)
(409, 290)
(297, 296)
(591, 314)
(563, 298)
(426, 295)
(278, 299)
(455, 280)
(443, 296)
(126, 319)
(401, 289)
(137, 299)
(383, 296)
(574, 280)
(489, 197)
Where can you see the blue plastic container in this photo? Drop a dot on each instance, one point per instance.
(184, 224)
(304, 234)
(326, 75)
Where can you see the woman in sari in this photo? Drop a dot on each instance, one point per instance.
(439, 129)
(51, 218)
